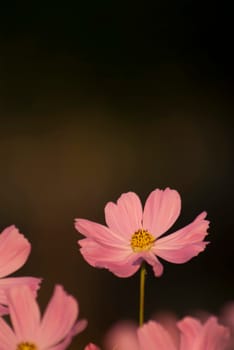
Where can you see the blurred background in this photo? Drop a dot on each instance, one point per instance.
(103, 98)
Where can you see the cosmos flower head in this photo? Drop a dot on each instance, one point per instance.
(133, 234)
(54, 331)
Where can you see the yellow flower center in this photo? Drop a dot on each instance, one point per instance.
(142, 240)
(26, 346)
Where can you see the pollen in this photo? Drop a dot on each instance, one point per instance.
(142, 240)
(26, 346)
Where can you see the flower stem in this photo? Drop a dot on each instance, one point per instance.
(142, 294)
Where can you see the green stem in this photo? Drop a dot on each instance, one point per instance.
(142, 294)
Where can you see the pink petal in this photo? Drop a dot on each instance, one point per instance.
(77, 328)
(124, 271)
(92, 346)
(125, 217)
(91, 251)
(121, 262)
(215, 336)
(6, 283)
(190, 328)
(162, 208)
(210, 336)
(182, 245)
(97, 254)
(59, 318)
(24, 312)
(14, 250)
(7, 337)
(99, 233)
(151, 259)
(63, 344)
(153, 336)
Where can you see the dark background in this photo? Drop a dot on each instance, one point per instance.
(102, 98)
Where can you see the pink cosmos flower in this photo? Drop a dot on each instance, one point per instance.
(133, 234)
(14, 251)
(54, 331)
(151, 336)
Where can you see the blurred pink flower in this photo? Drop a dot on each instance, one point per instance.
(53, 332)
(151, 336)
(14, 251)
(133, 234)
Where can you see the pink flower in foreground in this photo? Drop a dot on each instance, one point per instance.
(14, 251)
(133, 234)
(152, 336)
(53, 332)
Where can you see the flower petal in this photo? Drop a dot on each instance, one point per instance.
(214, 336)
(184, 244)
(151, 259)
(24, 312)
(161, 210)
(77, 328)
(124, 271)
(210, 336)
(6, 283)
(7, 337)
(190, 328)
(95, 253)
(99, 233)
(122, 262)
(14, 250)
(59, 318)
(153, 336)
(125, 217)
(91, 251)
